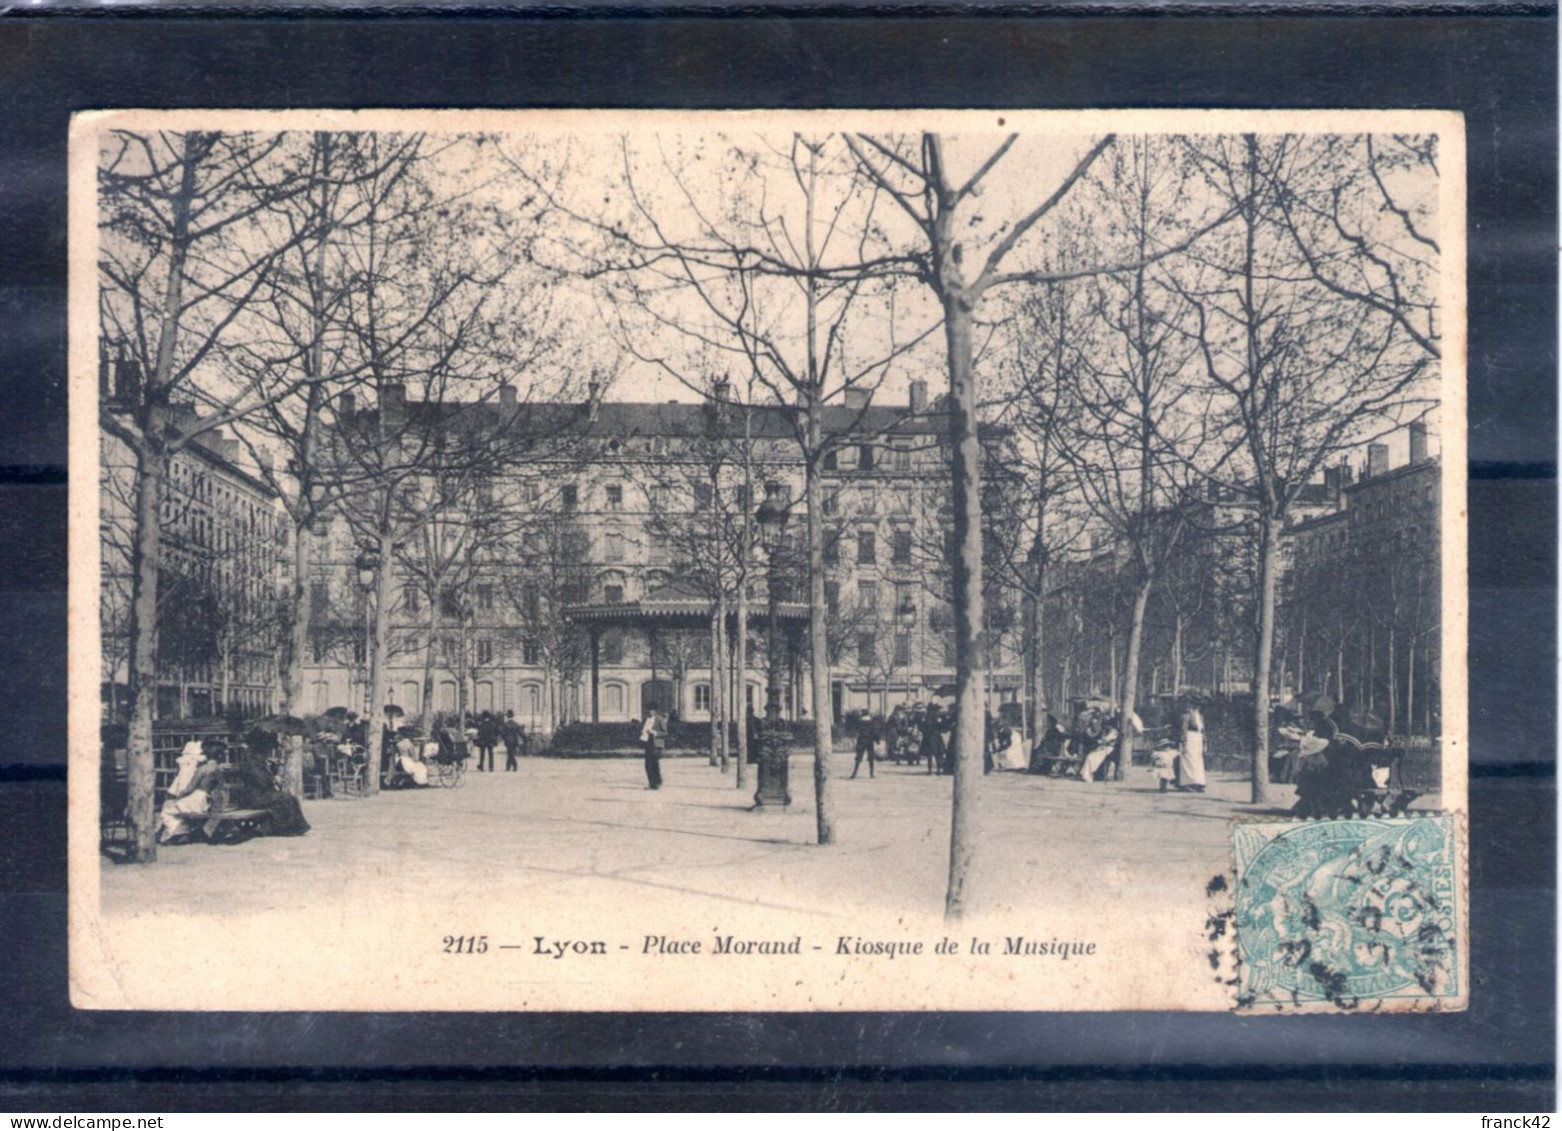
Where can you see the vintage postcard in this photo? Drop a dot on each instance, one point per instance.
(768, 561)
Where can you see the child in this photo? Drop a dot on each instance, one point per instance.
(1164, 757)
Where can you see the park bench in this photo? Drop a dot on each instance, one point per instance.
(225, 818)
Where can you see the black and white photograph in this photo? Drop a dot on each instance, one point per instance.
(581, 560)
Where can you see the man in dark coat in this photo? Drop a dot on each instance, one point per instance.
(513, 737)
(487, 739)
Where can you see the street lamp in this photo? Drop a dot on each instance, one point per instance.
(368, 563)
(774, 740)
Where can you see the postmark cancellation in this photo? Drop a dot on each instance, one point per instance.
(1360, 914)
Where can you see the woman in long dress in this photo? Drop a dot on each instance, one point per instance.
(189, 795)
(1190, 762)
(253, 787)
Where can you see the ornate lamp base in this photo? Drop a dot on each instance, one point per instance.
(774, 769)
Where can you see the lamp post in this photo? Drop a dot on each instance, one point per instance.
(368, 563)
(772, 793)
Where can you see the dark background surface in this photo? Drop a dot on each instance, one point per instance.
(1497, 1057)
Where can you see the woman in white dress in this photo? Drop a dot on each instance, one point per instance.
(1190, 762)
(188, 798)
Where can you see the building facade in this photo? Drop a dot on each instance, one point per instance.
(559, 574)
(221, 545)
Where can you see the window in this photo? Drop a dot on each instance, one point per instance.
(703, 495)
(702, 697)
(905, 604)
(485, 598)
(485, 651)
(867, 594)
(865, 650)
(832, 500)
(529, 491)
(867, 551)
(613, 546)
(741, 495)
(530, 653)
(661, 554)
(615, 496)
(485, 492)
(319, 598)
(831, 461)
(569, 496)
(902, 551)
(902, 458)
(832, 597)
(450, 602)
(613, 594)
(531, 603)
(613, 647)
(902, 649)
(832, 547)
(865, 456)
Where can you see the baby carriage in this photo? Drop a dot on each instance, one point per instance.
(449, 760)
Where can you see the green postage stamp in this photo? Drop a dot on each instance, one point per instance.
(1362, 914)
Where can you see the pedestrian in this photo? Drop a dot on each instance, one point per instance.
(487, 739)
(654, 736)
(189, 795)
(512, 736)
(1164, 758)
(1105, 744)
(932, 748)
(867, 738)
(1190, 763)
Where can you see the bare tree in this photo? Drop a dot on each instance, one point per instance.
(916, 176)
(774, 274)
(183, 252)
(1303, 366)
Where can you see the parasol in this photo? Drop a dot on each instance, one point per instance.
(335, 713)
(281, 724)
(392, 711)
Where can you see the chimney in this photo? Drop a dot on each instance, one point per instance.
(507, 398)
(105, 376)
(857, 399)
(393, 404)
(1331, 483)
(919, 396)
(1418, 442)
(345, 403)
(228, 449)
(721, 391)
(1377, 460)
(593, 399)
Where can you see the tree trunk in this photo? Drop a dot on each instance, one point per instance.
(1410, 687)
(1268, 567)
(718, 676)
(379, 654)
(818, 629)
(427, 706)
(1393, 680)
(1176, 655)
(970, 662)
(1130, 685)
(140, 761)
(740, 692)
(297, 649)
